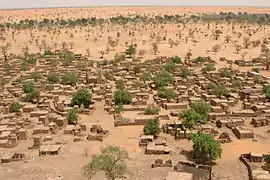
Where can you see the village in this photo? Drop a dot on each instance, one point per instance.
(59, 107)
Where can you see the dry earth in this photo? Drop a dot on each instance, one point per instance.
(72, 158)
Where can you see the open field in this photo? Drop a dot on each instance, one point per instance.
(224, 63)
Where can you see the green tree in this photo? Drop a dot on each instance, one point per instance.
(226, 73)
(146, 76)
(82, 96)
(14, 107)
(137, 69)
(131, 50)
(152, 127)
(122, 97)
(201, 108)
(199, 59)
(266, 90)
(32, 96)
(69, 79)
(237, 84)
(53, 78)
(205, 146)
(166, 93)
(255, 69)
(267, 160)
(185, 72)
(28, 87)
(72, 116)
(111, 161)
(163, 78)
(170, 66)
(176, 60)
(120, 84)
(209, 67)
(190, 118)
(151, 110)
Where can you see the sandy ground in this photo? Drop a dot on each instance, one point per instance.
(68, 164)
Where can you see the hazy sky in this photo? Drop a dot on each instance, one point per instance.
(56, 3)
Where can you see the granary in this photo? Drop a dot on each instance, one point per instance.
(260, 121)
(9, 157)
(49, 149)
(97, 133)
(160, 163)
(179, 176)
(242, 133)
(153, 148)
(145, 139)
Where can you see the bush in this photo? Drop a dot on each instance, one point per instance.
(14, 107)
(19, 80)
(146, 76)
(119, 108)
(191, 118)
(131, 50)
(119, 57)
(266, 90)
(237, 84)
(152, 110)
(152, 127)
(185, 72)
(137, 69)
(209, 67)
(53, 78)
(24, 66)
(204, 145)
(176, 60)
(120, 84)
(199, 59)
(31, 96)
(69, 79)
(170, 66)
(32, 60)
(201, 108)
(163, 78)
(219, 90)
(167, 93)
(47, 52)
(28, 87)
(82, 96)
(35, 76)
(255, 69)
(226, 73)
(122, 97)
(72, 116)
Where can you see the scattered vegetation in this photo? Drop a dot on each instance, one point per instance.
(152, 127)
(82, 97)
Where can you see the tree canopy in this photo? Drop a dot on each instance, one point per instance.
(151, 110)
(69, 79)
(82, 96)
(122, 97)
(166, 93)
(72, 116)
(111, 161)
(163, 78)
(131, 50)
(205, 146)
(152, 127)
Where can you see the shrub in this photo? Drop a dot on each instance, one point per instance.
(163, 78)
(237, 84)
(167, 93)
(201, 108)
(69, 79)
(28, 87)
(31, 96)
(185, 72)
(35, 76)
(267, 91)
(199, 59)
(209, 67)
(146, 76)
(32, 60)
(24, 66)
(255, 69)
(152, 127)
(152, 110)
(120, 84)
(226, 73)
(176, 60)
(122, 97)
(191, 118)
(82, 96)
(14, 107)
(72, 116)
(137, 68)
(53, 78)
(131, 50)
(170, 66)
